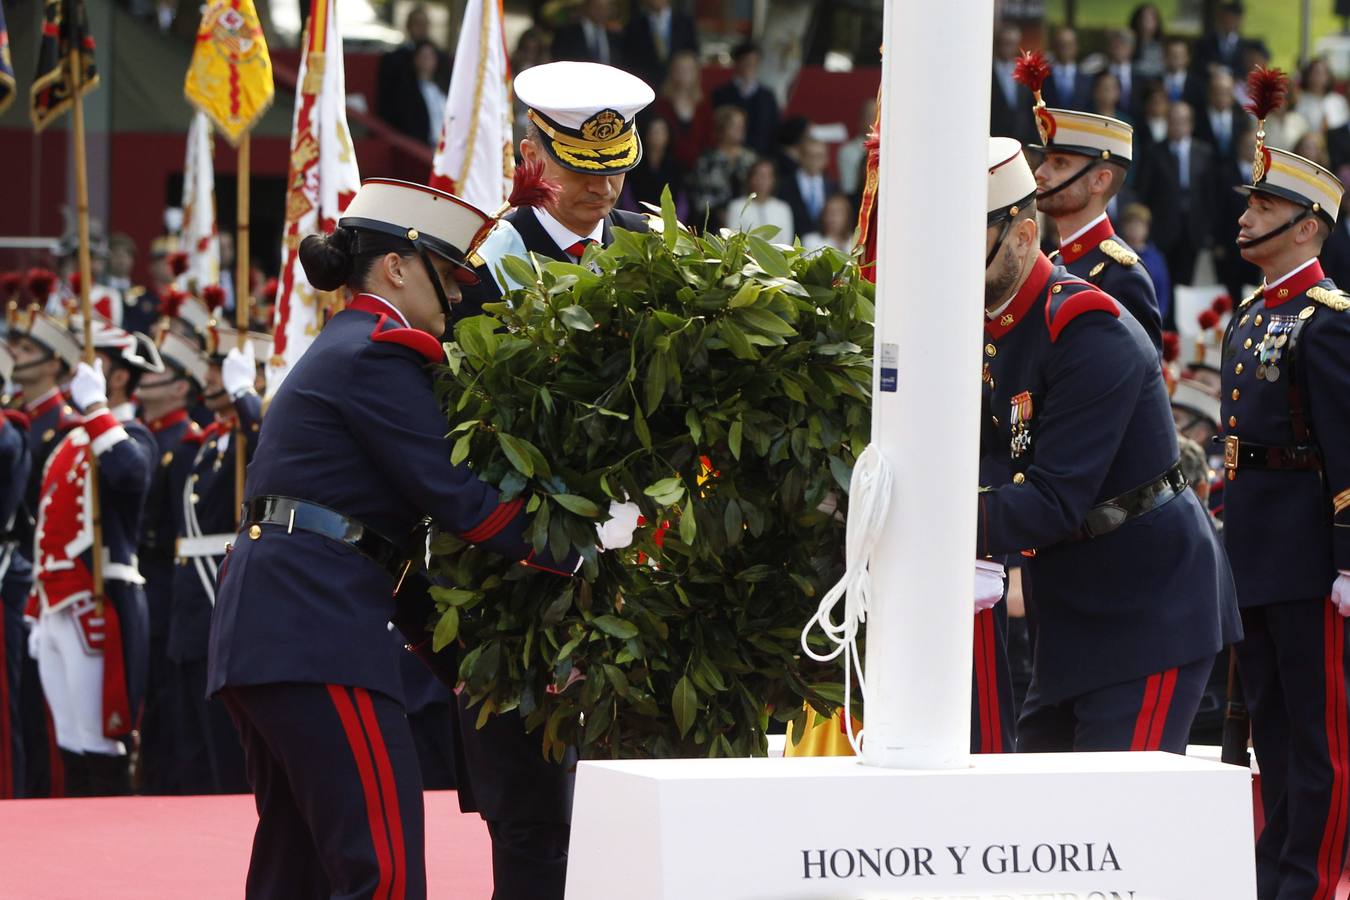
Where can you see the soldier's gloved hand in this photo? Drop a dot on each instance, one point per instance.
(617, 532)
(89, 387)
(988, 584)
(1340, 593)
(238, 371)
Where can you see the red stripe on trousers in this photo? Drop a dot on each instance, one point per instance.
(981, 692)
(385, 770)
(1141, 723)
(361, 754)
(56, 768)
(1158, 725)
(991, 661)
(1329, 855)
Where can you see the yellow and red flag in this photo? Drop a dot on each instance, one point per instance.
(230, 76)
(65, 34)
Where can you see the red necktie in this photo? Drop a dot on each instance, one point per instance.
(579, 248)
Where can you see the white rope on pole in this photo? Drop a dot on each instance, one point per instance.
(869, 502)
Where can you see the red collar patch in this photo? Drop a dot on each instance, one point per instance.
(46, 406)
(1086, 242)
(1027, 295)
(167, 421)
(1294, 286)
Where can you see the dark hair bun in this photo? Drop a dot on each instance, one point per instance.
(328, 258)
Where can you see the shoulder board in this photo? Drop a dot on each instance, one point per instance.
(475, 260)
(1334, 300)
(1076, 298)
(17, 417)
(424, 343)
(196, 438)
(135, 293)
(1117, 252)
(1248, 301)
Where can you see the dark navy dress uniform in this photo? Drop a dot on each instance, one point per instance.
(202, 487)
(15, 463)
(1286, 428)
(299, 648)
(159, 755)
(1077, 405)
(1106, 262)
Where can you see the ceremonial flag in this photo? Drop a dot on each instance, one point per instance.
(6, 66)
(867, 210)
(322, 180)
(65, 32)
(200, 240)
(230, 76)
(475, 156)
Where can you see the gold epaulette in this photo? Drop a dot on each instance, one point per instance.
(475, 260)
(1117, 252)
(1252, 299)
(1335, 300)
(135, 293)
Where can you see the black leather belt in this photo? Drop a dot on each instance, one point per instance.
(1239, 454)
(317, 519)
(1108, 516)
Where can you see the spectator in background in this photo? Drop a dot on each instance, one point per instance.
(1222, 120)
(788, 156)
(1312, 146)
(1285, 128)
(1227, 206)
(654, 34)
(1120, 63)
(1068, 86)
(1151, 132)
(1010, 103)
(590, 38)
(851, 160)
(1178, 77)
(396, 78)
(1222, 45)
(1177, 184)
(1147, 25)
(226, 242)
(680, 102)
(532, 49)
(1338, 151)
(722, 171)
(658, 169)
(1135, 224)
(1106, 98)
(745, 90)
(121, 262)
(1254, 53)
(1335, 256)
(760, 206)
(1318, 103)
(418, 112)
(807, 191)
(837, 226)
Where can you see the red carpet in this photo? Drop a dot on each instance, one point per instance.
(177, 847)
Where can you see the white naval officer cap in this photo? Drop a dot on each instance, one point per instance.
(1011, 184)
(427, 218)
(586, 113)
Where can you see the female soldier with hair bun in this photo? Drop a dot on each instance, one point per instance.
(351, 459)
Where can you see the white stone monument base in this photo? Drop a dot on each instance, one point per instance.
(1143, 826)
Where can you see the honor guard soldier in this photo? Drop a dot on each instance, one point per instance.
(45, 354)
(583, 131)
(1286, 456)
(164, 399)
(202, 490)
(1085, 160)
(92, 650)
(15, 462)
(1077, 406)
(351, 460)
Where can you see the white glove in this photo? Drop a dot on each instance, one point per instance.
(89, 387)
(239, 371)
(1340, 593)
(618, 531)
(988, 584)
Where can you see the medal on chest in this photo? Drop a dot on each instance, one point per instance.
(1271, 350)
(1019, 420)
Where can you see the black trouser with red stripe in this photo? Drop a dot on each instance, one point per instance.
(1153, 713)
(992, 714)
(339, 794)
(1294, 666)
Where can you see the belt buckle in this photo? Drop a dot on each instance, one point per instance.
(1230, 452)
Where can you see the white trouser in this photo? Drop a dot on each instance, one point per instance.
(72, 681)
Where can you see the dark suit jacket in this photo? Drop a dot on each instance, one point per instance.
(1192, 89)
(397, 98)
(1204, 130)
(640, 52)
(789, 191)
(1179, 216)
(1338, 149)
(1209, 50)
(570, 44)
(1079, 97)
(761, 114)
(1011, 121)
(1227, 207)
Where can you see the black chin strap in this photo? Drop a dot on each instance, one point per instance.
(32, 362)
(998, 244)
(1243, 245)
(441, 298)
(1092, 164)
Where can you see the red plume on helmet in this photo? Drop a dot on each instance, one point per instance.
(10, 284)
(40, 283)
(1208, 318)
(1267, 90)
(178, 263)
(529, 187)
(213, 295)
(1222, 304)
(172, 302)
(1171, 343)
(1031, 70)
(269, 290)
(74, 281)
